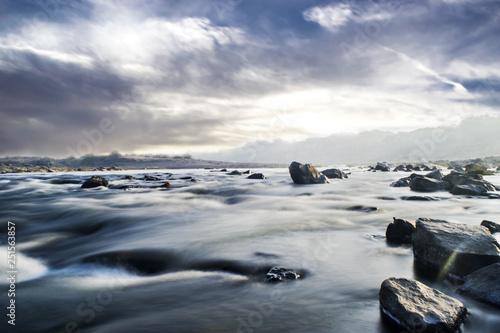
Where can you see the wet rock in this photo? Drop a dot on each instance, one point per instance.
(471, 189)
(400, 231)
(235, 173)
(279, 274)
(223, 170)
(456, 179)
(452, 248)
(129, 177)
(436, 174)
(95, 181)
(403, 182)
(187, 178)
(492, 226)
(400, 168)
(382, 166)
(334, 173)
(483, 285)
(64, 181)
(424, 184)
(419, 198)
(363, 209)
(248, 172)
(256, 176)
(151, 178)
(306, 174)
(418, 308)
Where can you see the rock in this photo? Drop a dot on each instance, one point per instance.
(235, 173)
(278, 274)
(129, 177)
(223, 170)
(423, 184)
(492, 226)
(151, 178)
(248, 172)
(436, 174)
(400, 168)
(334, 173)
(418, 308)
(419, 198)
(402, 182)
(95, 181)
(483, 285)
(455, 179)
(471, 189)
(452, 248)
(363, 209)
(306, 174)
(400, 231)
(50, 170)
(382, 166)
(256, 176)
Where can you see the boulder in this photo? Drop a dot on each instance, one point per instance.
(492, 226)
(95, 181)
(452, 248)
(483, 285)
(436, 174)
(400, 231)
(418, 308)
(382, 166)
(400, 168)
(424, 184)
(402, 182)
(248, 172)
(306, 174)
(470, 189)
(456, 178)
(279, 274)
(235, 173)
(256, 176)
(129, 177)
(334, 173)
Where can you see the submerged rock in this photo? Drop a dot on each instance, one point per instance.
(363, 209)
(424, 184)
(95, 181)
(483, 285)
(452, 248)
(279, 274)
(419, 198)
(256, 176)
(418, 308)
(235, 173)
(334, 173)
(129, 177)
(306, 174)
(492, 226)
(400, 231)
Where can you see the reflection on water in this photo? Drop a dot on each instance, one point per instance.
(193, 257)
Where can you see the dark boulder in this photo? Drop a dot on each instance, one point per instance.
(492, 226)
(363, 209)
(278, 274)
(235, 173)
(456, 178)
(402, 182)
(483, 285)
(419, 198)
(424, 184)
(248, 172)
(129, 177)
(471, 189)
(400, 168)
(400, 231)
(306, 174)
(151, 178)
(256, 176)
(382, 166)
(452, 248)
(95, 181)
(436, 174)
(418, 308)
(334, 173)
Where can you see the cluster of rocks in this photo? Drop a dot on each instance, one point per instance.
(455, 182)
(308, 174)
(385, 167)
(466, 253)
(24, 167)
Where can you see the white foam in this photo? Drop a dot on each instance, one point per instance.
(27, 268)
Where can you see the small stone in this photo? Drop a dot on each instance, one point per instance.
(279, 274)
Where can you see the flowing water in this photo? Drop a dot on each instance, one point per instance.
(193, 257)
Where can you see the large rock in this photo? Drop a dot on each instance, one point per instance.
(418, 308)
(471, 189)
(452, 248)
(95, 181)
(400, 231)
(334, 173)
(382, 166)
(424, 184)
(256, 176)
(483, 285)
(306, 174)
(456, 179)
(492, 226)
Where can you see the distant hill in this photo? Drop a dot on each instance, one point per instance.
(473, 137)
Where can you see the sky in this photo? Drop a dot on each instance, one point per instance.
(84, 77)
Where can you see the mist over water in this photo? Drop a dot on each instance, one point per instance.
(193, 257)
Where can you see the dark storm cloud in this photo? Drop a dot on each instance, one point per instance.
(195, 74)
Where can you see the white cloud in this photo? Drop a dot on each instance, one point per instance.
(330, 17)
